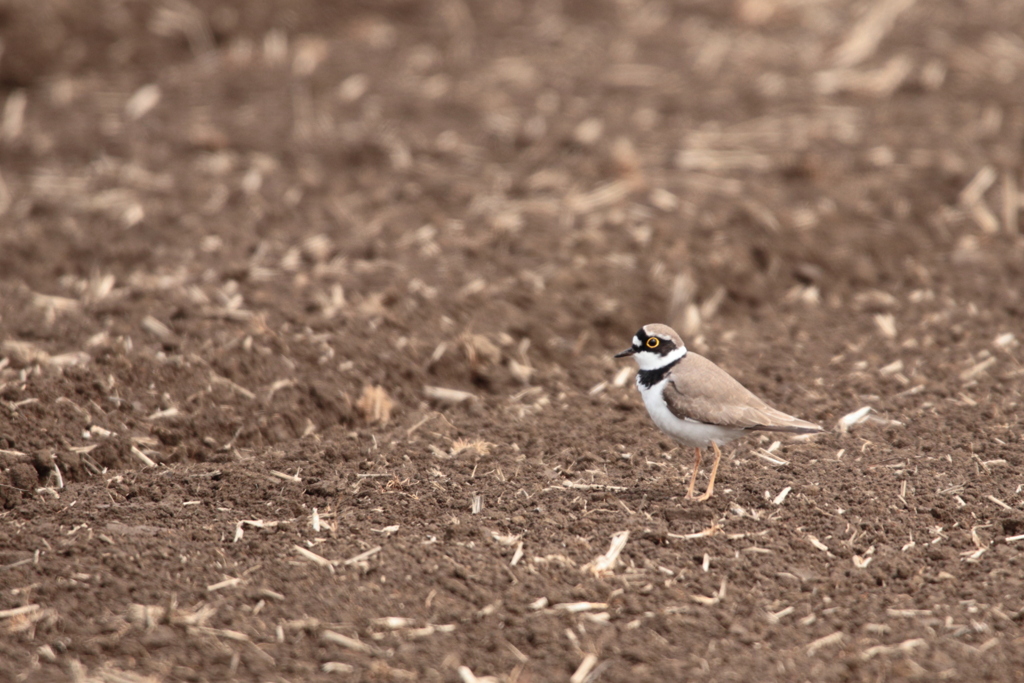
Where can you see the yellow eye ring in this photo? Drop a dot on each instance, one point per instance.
(653, 342)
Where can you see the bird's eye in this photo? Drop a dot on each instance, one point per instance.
(653, 342)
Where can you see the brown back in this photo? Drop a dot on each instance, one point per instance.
(702, 391)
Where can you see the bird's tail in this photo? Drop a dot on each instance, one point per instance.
(781, 422)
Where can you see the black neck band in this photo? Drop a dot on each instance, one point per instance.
(648, 378)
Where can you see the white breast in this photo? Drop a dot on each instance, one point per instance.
(686, 431)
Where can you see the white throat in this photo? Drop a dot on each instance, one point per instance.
(648, 360)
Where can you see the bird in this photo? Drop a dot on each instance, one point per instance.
(698, 403)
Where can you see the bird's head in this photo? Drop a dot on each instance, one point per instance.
(654, 346)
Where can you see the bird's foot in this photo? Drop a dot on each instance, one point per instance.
(704, 496)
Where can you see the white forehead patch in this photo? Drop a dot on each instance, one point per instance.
(636, 340)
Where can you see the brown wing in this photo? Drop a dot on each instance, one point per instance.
(702, 391)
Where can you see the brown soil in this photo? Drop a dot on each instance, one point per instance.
(242, 244)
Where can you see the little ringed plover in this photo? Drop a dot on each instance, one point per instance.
(698, 403)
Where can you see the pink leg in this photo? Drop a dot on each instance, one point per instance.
(693, 477)
(714, 471)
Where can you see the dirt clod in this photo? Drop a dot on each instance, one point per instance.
(307, 314)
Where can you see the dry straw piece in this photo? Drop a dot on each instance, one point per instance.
(606, 563)
(864, 38)
(375, 405)
(444, 395)
(346, 642)
(584, 669)
(850, 419)
(825, 641)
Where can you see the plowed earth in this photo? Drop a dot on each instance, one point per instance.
(307, 313)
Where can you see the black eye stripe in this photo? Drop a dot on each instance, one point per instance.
(657, 345)
(652, 343)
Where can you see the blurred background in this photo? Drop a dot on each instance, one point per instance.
(234, 231)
